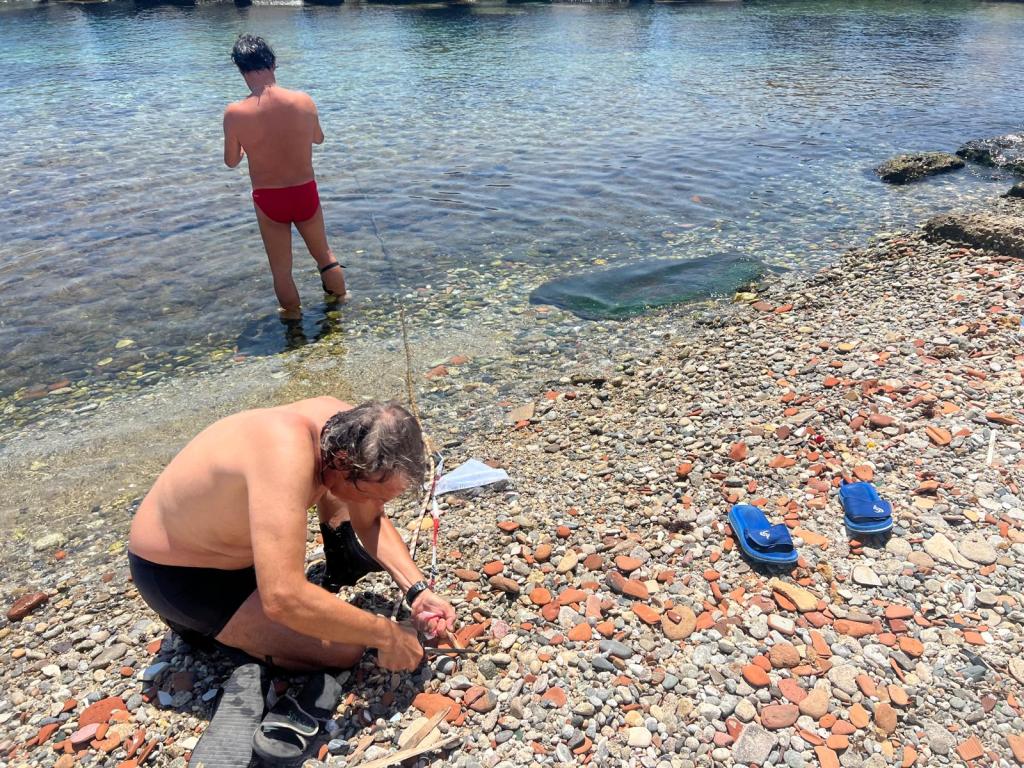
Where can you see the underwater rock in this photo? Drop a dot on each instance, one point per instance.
(1001, 152)
(622, 292)
(906, 168)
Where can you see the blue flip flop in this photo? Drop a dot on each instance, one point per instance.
(760, 540)
(864, 510)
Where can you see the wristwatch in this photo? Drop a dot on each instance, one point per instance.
(415, 591)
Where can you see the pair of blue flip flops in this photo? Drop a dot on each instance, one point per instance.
(864, 512)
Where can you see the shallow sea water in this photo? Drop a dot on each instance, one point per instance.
(548, 136)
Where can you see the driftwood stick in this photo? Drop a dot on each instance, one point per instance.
(362, 746)
(405, 754)
(426, 729)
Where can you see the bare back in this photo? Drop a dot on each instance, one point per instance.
(197, 513)
(277, 130)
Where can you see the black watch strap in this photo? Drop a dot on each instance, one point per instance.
(415, 591)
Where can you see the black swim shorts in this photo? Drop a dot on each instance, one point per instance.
(192, 601)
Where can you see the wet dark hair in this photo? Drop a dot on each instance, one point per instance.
(374, 438)
(252, 53)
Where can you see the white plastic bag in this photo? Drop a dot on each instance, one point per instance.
(470, 474)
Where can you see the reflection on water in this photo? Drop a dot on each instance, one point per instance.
(273, 334)
(521, 133)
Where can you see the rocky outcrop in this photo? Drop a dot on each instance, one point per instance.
(999, 152)
(999, 232)
(903, 169)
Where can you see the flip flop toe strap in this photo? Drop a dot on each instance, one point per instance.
(773, 539)
(287, 713)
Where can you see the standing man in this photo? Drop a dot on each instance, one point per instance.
(218, 545)
(277, 128)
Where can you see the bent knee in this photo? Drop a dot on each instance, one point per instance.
(349, 656)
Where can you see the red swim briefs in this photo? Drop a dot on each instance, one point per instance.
(286, 205)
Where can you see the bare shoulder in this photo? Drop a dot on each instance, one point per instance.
(301, 99)
(235, 110)
(281, 423)
(274, 438)
(317, 409)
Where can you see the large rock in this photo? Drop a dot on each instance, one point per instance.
(754, 745)
(903, 169)
(1001, 152)
(1002, 233)
(1017, 190)
(941, 548)
(615, 294)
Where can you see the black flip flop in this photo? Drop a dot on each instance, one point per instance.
(276, 745)
(227, 740)
(285, 734)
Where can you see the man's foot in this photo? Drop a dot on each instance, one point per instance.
(347, 561)
(289, 314)
(332, 278)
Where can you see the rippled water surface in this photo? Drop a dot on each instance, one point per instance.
(529, 133)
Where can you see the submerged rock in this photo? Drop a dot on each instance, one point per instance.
(994, 232)
(623, 292)
(906, 168)
(1001, 152)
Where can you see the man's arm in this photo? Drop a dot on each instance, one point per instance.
(318, 133)
(384, 544)
(232, 146)
(278, 488)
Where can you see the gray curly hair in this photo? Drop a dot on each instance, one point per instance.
(374, 438)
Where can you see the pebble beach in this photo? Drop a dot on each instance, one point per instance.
(617, 622)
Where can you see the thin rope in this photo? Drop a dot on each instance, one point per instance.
(410, 392)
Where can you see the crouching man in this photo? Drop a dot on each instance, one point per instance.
(218, 545)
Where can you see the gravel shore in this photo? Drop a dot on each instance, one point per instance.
(618, 623)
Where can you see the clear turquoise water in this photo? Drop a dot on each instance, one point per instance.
(528, 132)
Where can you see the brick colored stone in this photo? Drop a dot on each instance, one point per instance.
(540, 596)
(755, 676)
(493, 568)
(971, 749)
(432, 703)
(100, 711)
(627, 564)
(580, 633)
(646, 614)
(776, 716)
(859, 716)
(26, 604)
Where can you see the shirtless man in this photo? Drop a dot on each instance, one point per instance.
(218, 545)
(277, 128)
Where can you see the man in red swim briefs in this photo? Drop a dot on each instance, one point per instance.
(277, 128)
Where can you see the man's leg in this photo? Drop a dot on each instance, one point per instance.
(251, 631)
(315, 235)
(277, 239)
